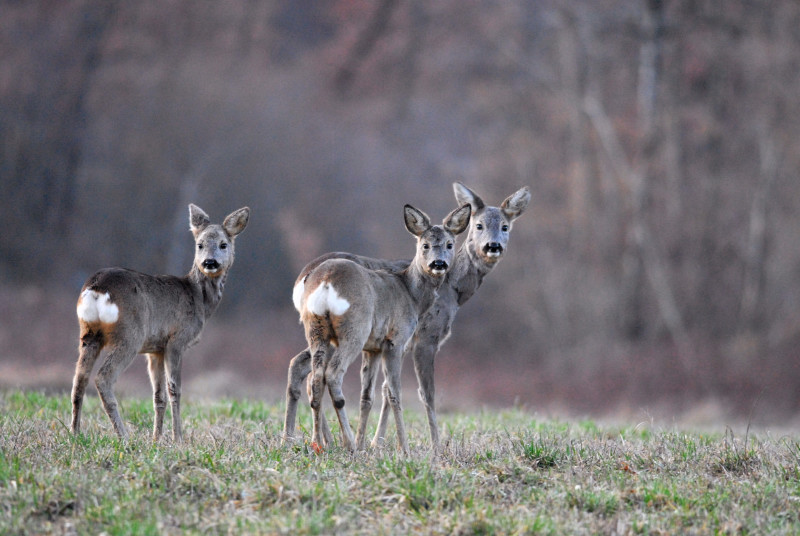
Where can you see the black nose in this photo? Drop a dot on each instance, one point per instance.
(438, 265)
(494, 247)
(210, 264)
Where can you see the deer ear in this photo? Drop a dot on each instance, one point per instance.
(465, 196)
(198, 220)
(456, 222)
(417, 222)
(236, 221)
(515, 204)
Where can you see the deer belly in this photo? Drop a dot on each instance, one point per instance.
(387, 340)
(150, 348)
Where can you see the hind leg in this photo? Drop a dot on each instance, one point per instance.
(155, 368)
(346, 352)
(318, 362)
(334, 379)
(324, 427)
(299, 367)
(117, 360)
(90, 347)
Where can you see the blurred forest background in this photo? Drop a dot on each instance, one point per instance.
(657, 268)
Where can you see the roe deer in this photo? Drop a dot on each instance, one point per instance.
(131, 313)
(348, 309)
(485, 245)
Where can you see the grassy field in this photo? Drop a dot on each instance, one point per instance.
(498, 473)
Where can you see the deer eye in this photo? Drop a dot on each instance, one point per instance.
(479, 227)
(426, 246)
(199, 246)
(449, 245)
(505, 228)
(224, 245)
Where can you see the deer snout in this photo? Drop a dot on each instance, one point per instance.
(438, 267)
(493, 249)
(211, 265)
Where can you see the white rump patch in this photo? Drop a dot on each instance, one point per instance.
(297, 295)
(93, 306)
(325, 299)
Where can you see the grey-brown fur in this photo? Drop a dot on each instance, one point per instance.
(371, 311)
(158, 315)
(471, 265)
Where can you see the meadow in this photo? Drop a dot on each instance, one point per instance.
(497, 472)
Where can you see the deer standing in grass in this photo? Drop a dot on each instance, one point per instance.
(130, 313)
(484, 246)
(348, 309)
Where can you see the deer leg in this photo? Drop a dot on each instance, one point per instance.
(368, 373)
(318, 360)
(117, 360)
(299, 367)
(324, 427)
(423, 355)
(90, 347)
(334, 376)
(383, 421)
(392, 366)
(172, 367)
(155, 368)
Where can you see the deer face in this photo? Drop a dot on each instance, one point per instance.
(490, 228)
(435, 250)
(214, 243)
(213, 251)
(435, 243)
(489, 234)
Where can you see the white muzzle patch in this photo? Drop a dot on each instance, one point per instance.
(93, 307)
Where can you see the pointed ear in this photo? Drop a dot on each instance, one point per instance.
(198, 220)
(456, 222)
(236, 221)
(417, 222)
(465, 196)
(515, 204)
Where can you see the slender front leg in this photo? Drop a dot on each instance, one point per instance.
(155, 368)
(299, 367)
(392, 367)
(368, 373)
(383, 419)
(172, 362)
(423, 355)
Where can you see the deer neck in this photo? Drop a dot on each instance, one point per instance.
(469, 268)
(208, 288)
(421, 287)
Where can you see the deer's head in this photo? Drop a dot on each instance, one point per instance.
(490, 228)
(435, 243)
(214, 243)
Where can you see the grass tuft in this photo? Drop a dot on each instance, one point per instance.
(541, 452)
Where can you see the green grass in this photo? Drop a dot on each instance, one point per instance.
(505, 472)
